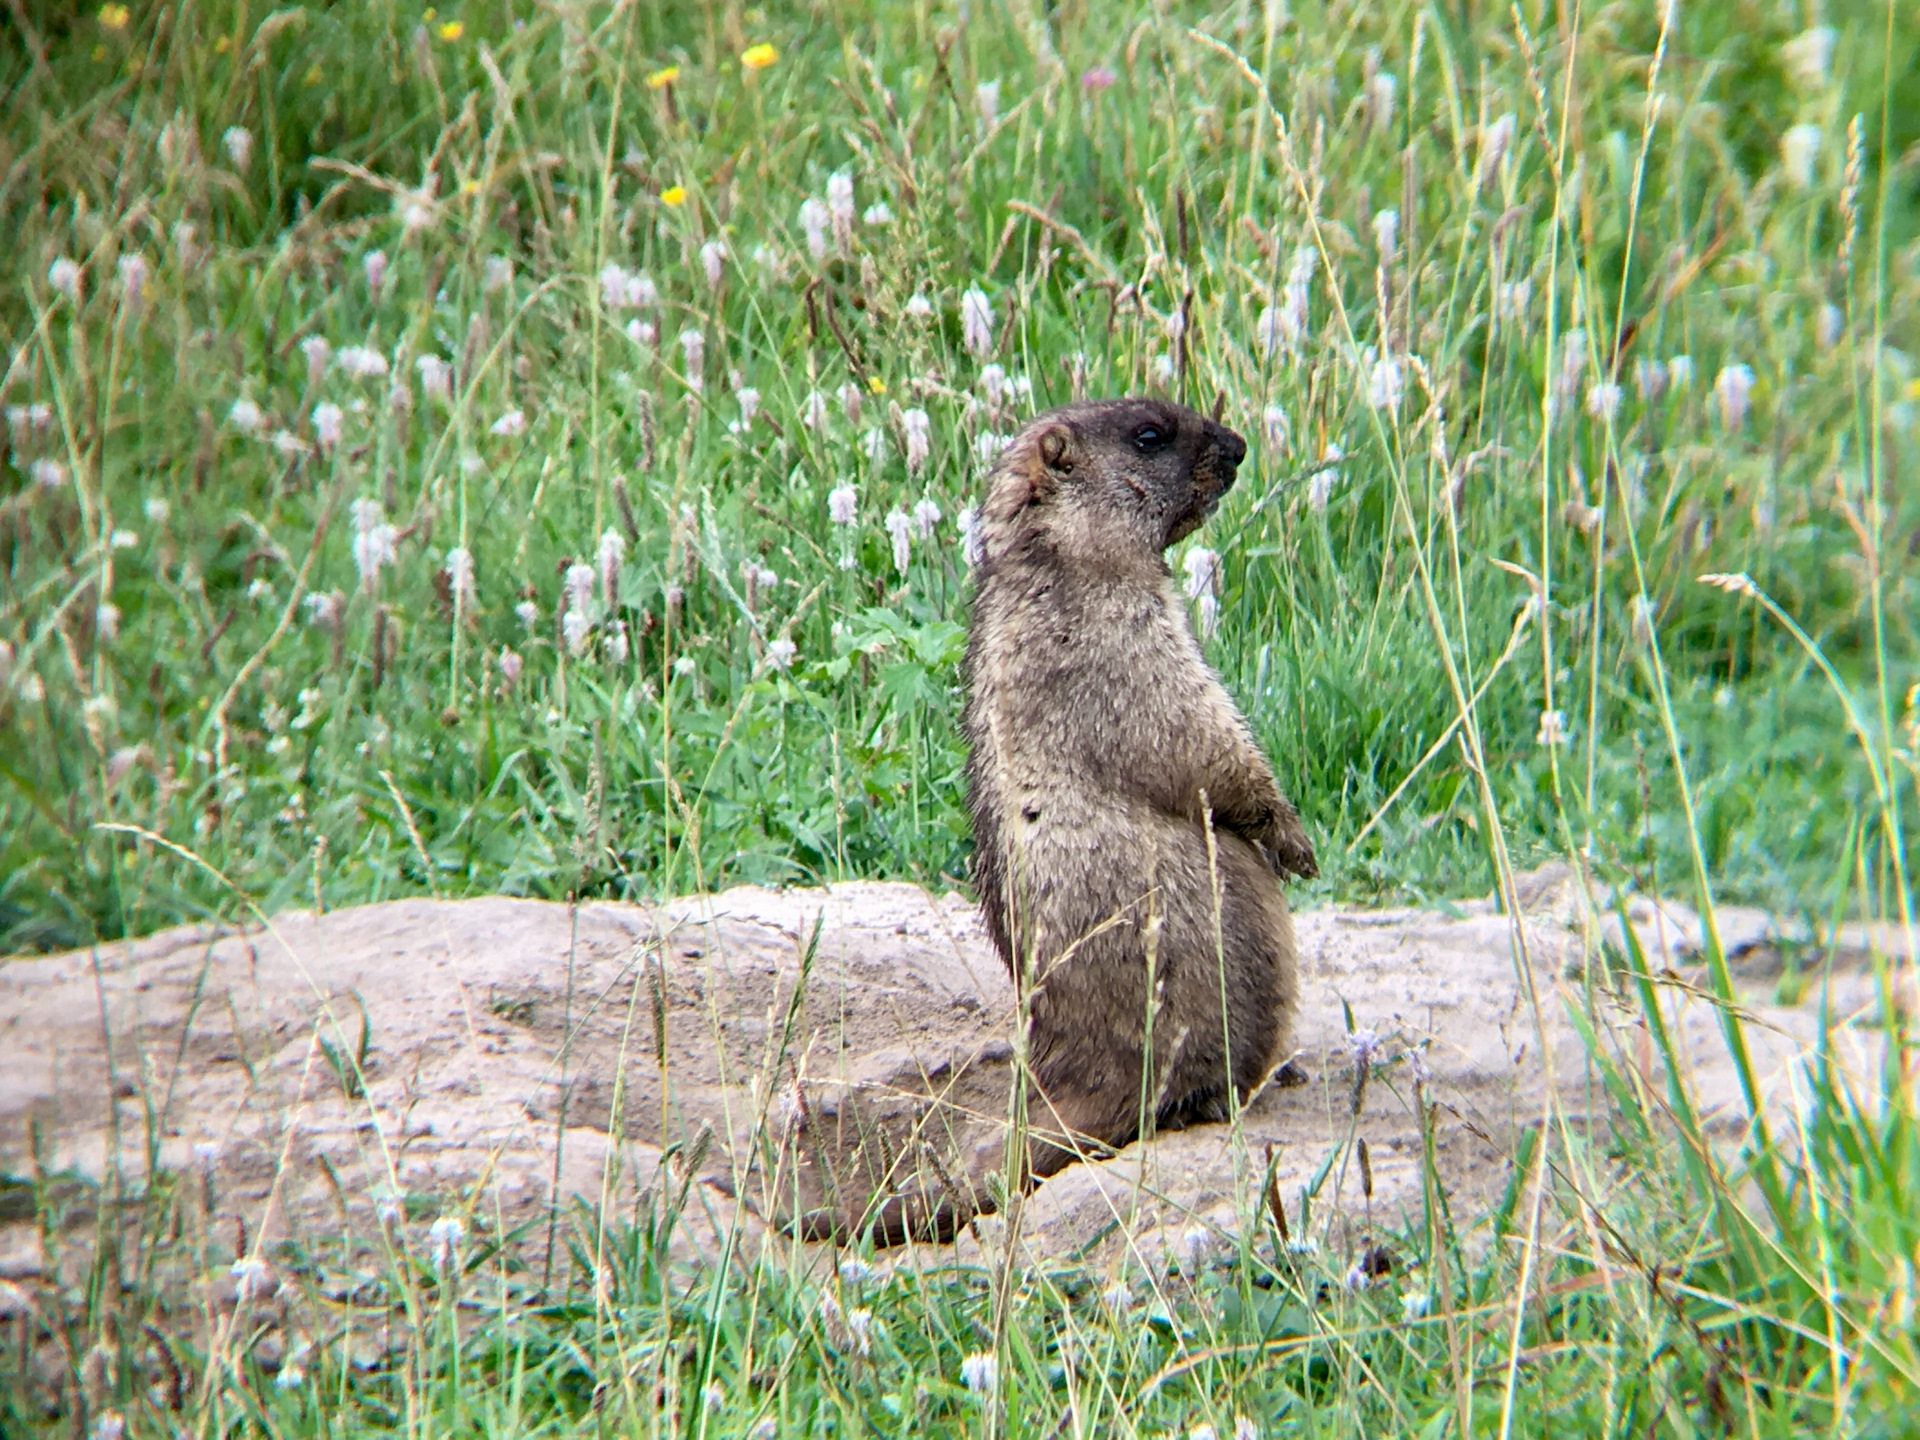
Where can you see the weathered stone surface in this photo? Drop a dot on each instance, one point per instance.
(419, 1058)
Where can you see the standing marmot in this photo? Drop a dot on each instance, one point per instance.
(1096, 727)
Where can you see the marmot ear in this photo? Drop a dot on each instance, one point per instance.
(1056, 449)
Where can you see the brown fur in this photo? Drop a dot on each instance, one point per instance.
(1100, 742)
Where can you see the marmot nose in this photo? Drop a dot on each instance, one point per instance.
(1232, 448)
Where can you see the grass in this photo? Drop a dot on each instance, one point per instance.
(229, 631)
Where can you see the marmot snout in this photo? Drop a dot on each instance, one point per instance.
(1103, 748)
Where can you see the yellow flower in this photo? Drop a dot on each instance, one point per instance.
(660, 79)
(876, 385)
(452, 30)
(470, 187)
(1913, 389)
(674, 196)
(759, 57)
(114, 17)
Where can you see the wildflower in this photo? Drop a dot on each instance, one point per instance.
(497, 274)
(114, 17)
(291, 1376)
(1553, 728)
(1195, 1245)
(1733, 389)
(1829, 324)
(1603, 400)
(1097, 78)
(713, 260)
(976, 320)
(1363, 1045)
(374, 541)
(840, 204)
(1381, 91)
(133, 271)
(900, 528)
(987, 96)
(400, 397)
(919, 432)
(693, 345)
(1203, 572)
(459, 570)
(64, 276)
(528, 612)
(1680, 372)
(618, 646)
(361, 361)
(855, 1271)
(327, 424)
(1808, 57)
(850, 402)
(110, 1424)
(1162, 370)
(993, 380)
(436, 377)
(106, 622)
(1512, 300)
(452, 30)
(1275, 425)
(1294, 313)
(510, 667)
(749, 399)
(1209, 609)
(1414, 1306)
(1799, 151)
(685, 665)
(1385, 384)
(814, 219)
(843, 505)
(1245, 1429)
(47, 474)
(919, 307)
(238, 141)
(781, 653)
(156, 509)
(1269, 330)
(613, 552)
(318, 353)
(289, 444)
(186, 246)
(509, 425)
(877, 215)
(980, 1373)
(759, 57)
(375, 265)
(989, 447)
(1649, 379)
(323, 611)
(254, 1278)
(1386, 234)
(674, 196)
(444, 1236)
(613, 286)
(973, 545)
(1117, 1296)
(245, 416)
(1495, 140)
(766, 1428)
(813, 411)
(663, 77)
(1357, 1277)
(1203, 1432)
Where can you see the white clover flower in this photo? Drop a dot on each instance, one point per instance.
(926, 515)
(854, 1271)
(460, 578)
(840, 204)
(375, 266)
(815, 220)
(436, 377)
(877, 215)
(510, 666)
(1799, 153)
(1195, 1246)
(289, 444)
(1162, 369)
(1808, 57)
(238, 141)
(781, 653)
(133, 271)
(361, 361)
(986, 95)
(509, 425)
(713, 260)
(1733, 389)
(1495, 140)
(765, 1428)
(1603, 400)
(918, 306)
(246, 417)
(64, 276)
(973, 545)
(47, 474)
(976, 321)
(1385, 384)
(375, 542)
(416, 207)
(919, 432)
(843, 505)
(156, 509)
(318, 353)
(642, 293)
(1203, 572)
(528, 612)
(613, 286)
(444, 1236)
(1680, 372)
(1275, 425)
(106, 622)
(323, 611)
(497, 274)
(693, 346)
(328, 422)
(123, 539)
(980, 1372)
(993, 380)
(1553, 728)
(1386, 234)
(685, 665)
(1245, 1429)
(989, 447)
(900, 529)
(1203, 1432)
(291, 1376)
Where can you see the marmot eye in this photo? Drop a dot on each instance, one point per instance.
(1149, 438)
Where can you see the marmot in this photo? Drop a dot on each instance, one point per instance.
(1100, 738)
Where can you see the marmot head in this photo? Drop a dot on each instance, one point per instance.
(1110, 480)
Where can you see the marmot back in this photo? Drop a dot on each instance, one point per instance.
(1101, 743)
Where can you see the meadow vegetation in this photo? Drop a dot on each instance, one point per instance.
(530, 449)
